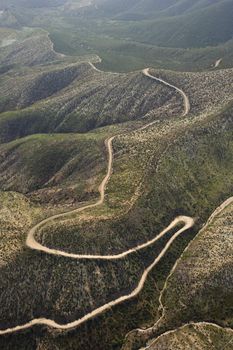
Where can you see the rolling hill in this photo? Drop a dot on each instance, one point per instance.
(178, 34)
(95, 166)
(177, 23)
(150, 180)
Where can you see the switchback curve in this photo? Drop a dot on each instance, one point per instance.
(33, 244)
(149, 331)
(146, 72)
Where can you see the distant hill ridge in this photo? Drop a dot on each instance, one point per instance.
(173, 23)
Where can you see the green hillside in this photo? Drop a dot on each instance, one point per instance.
(173, 34)
(85, 100)
(53, 168)
(200, 289)
(209, 26)
(98, 155)
(188, 180)
(180, 23)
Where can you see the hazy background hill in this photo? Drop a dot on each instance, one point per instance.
(173, 34)
(31, 3)
(174, 23)
(152, 8)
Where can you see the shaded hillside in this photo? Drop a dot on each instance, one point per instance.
(20, 90)
(198, 158)
(92, 100)
(55, 115)
(201, 285)
(188, 180)
(53, 168)
(199, 289)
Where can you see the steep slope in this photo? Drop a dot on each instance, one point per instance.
(202, 336)
(207, 91)
(174, 166)
(162, 193)
(178, 194)
(91, 100)
(20, 90)
(53, 168)
(202, 280)
(16, 214)
(199, 290)
(190, 188)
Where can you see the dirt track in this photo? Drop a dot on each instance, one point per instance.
(33, 244)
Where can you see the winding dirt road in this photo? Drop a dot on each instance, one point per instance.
(33, 244)
(217, 63)
(31, 241)
(146, 72)
(189, 222)
(149, 331)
